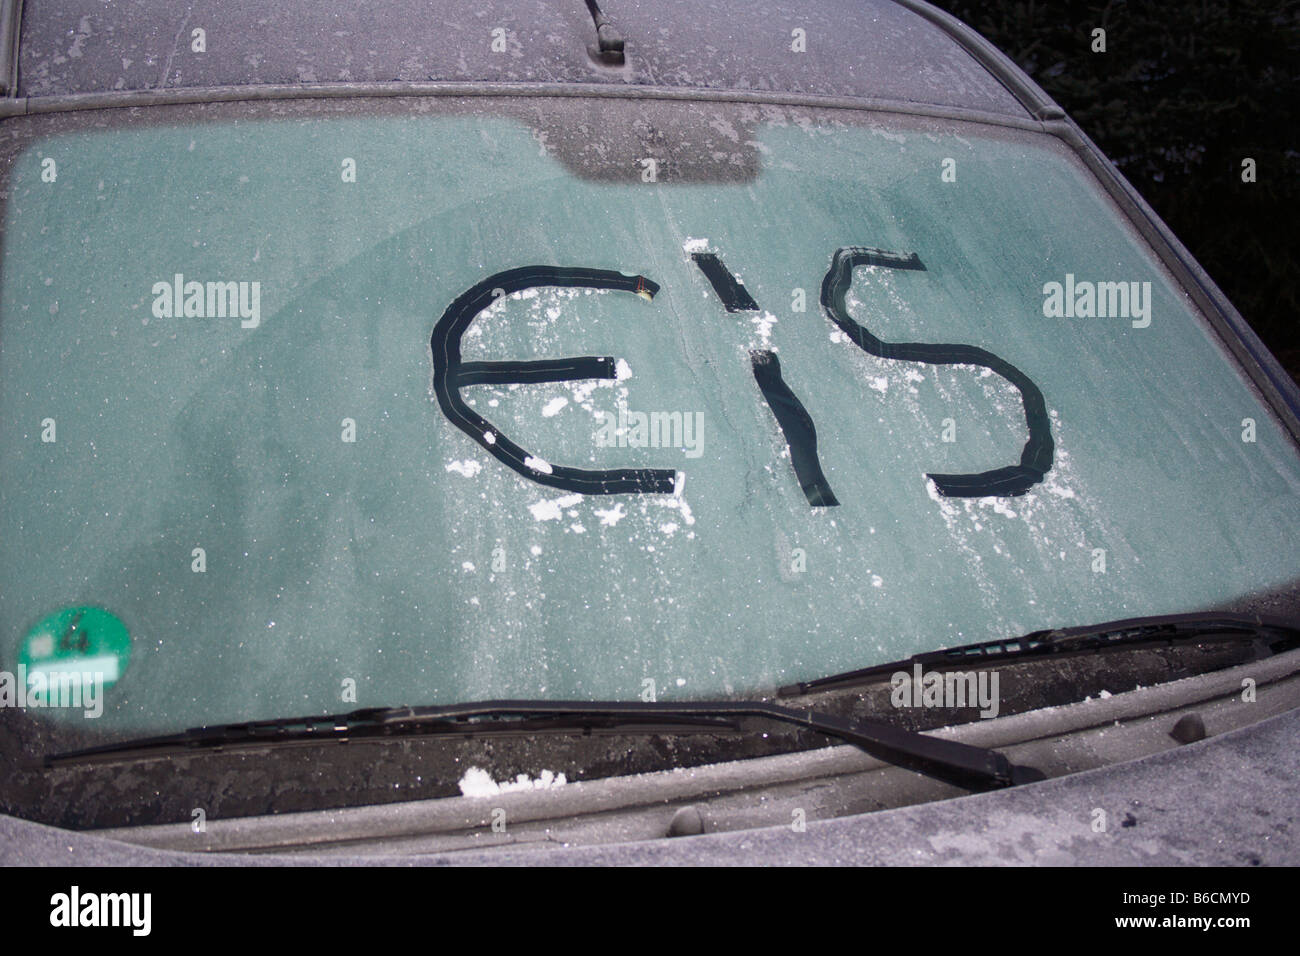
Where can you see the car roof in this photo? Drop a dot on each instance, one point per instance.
(873, 50)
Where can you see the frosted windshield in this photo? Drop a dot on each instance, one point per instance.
(219, 418)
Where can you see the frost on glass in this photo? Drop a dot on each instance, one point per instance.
(417, 565)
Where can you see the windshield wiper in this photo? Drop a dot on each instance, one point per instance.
(609, 41)
(965, 765)
(1268, 635)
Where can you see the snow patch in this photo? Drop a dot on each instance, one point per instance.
(763, 326)
(553, 510)
(611, 516)
(477, 782)
(469, 467)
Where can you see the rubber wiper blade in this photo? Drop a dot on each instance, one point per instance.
(1269, 635)
(965, 765)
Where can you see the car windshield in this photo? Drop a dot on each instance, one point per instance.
(306, 407)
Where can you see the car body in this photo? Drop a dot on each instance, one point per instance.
(1159, 702)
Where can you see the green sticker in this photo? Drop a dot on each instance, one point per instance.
(84, 640)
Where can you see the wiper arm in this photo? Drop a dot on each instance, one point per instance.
(609, 41)
(1269, 635)
(967, 766)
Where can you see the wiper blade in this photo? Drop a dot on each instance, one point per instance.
(965, 765)
(1269, 635)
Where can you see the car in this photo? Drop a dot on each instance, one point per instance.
(664, 433)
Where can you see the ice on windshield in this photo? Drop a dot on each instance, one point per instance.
(258, 481)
